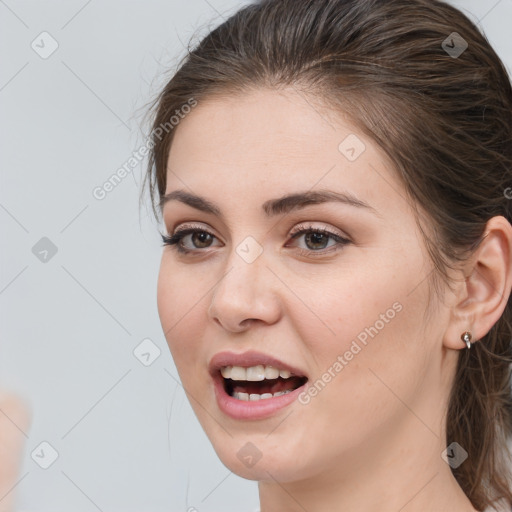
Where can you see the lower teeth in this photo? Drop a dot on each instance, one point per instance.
(254, 396)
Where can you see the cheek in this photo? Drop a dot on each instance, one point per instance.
(378, 350)
(180, 302)
(167, 303)
(360, 303)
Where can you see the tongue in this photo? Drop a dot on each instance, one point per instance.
(267, 385)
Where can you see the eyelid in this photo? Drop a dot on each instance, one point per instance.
(191, 225)
(304, 226)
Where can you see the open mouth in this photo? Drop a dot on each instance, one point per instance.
(259, 382)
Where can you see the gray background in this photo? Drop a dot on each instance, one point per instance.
(126, 437)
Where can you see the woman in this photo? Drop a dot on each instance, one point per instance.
(335, 282)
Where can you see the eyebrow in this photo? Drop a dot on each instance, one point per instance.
(272, 207)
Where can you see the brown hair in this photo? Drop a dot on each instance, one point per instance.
(444, 119)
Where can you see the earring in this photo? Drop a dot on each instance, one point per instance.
(466, 338)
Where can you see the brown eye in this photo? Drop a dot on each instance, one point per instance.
(201, 239)
(317, 239)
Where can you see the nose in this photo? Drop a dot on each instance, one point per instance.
(246, 293)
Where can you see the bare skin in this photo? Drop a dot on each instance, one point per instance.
(372, 438)
(15, 419)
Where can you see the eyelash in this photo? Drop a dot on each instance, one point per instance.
(175, 239)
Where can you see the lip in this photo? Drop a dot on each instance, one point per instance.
(257, 409)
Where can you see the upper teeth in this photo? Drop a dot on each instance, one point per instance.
(258, 372)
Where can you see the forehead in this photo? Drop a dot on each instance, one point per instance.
(268, 143)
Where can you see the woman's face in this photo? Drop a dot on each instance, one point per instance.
(348, 316)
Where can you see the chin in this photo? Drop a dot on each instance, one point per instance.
(256, 457)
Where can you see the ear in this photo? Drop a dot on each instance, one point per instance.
(482, 297)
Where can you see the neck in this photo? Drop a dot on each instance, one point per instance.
(403, 472)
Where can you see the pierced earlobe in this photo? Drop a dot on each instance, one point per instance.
(466, 338)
